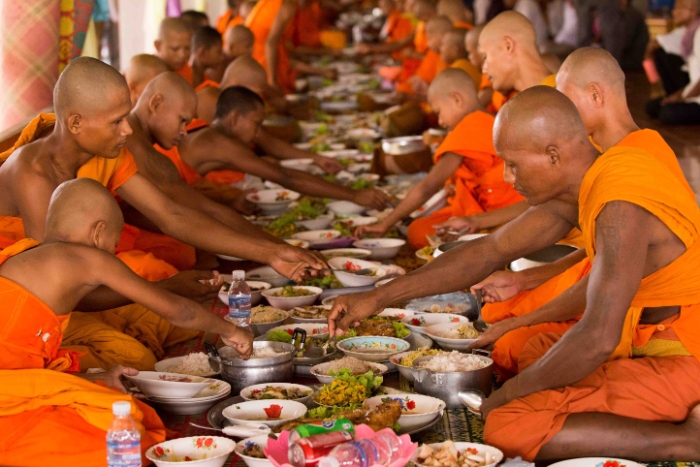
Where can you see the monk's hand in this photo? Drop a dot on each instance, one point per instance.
(242, 205)
(457, 226)
(500, 286)
(112, 377)
(199, 286)
(372, 198)
(374, 230)
(349, 310)
(493, 333)
(297, 264)
(328, 164)
(240, 339)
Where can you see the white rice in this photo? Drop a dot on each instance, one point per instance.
(194, 364)
(358, 367)
(454, 361)
(265, 352)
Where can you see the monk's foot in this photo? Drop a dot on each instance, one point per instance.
(692, 428)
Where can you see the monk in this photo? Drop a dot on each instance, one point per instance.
(225, 144)
(207, 55)
(521, 304)
(44, 409)
(196, 19)
(91, 100)
(238, 41)
(485, 88)
(456, 12)
(465, 159)
(141, 70)
(454, 55)
(397, 32)
(173, 46)
(580, 394)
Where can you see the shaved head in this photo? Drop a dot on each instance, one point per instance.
(453, 9)
(173, 26)
(452, 47)
(592, 65)
(142, 69)
(166, 106)
(512, 24)
(83, 211)
(238, 41)
(245, 71)
(471, 43)
(435, 29)
(452, 96)
(452, 80)
(544, 143)
(423, 10)
(195, 18)
(173, 43)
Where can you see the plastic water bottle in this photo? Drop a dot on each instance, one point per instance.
(123, 438)
(239, 300)
(382, 449)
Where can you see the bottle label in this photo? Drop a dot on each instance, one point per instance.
(327, 426)
(124, 454)
(239, 307)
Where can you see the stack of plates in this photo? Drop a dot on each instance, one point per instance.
(199, 403)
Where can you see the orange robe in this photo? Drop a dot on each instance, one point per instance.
(409, 66)
(661, 383)
(259, 21)
(307, 25)
(430, 66)
(397, 28)
(478, 182)
(228, 19)
(220, 177)
(507, 349)
(205, 84)
(45, 413)
(473, 72)
(463, 25)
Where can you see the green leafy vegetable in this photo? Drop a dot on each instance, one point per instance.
(368, 380)
(400, 329)
(279, 335)
(361, 184)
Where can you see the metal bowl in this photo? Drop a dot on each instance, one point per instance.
(403, 145)
(542, 257)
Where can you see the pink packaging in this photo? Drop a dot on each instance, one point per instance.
(650, 69)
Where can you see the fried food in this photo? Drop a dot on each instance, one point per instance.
(383, 416)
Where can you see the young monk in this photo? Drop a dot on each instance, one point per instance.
(44, 409)
(397, 32)
(521, 303)
(238, 41)
(485, 88)
(225, 144)
(173, 46)
(465, 159)
(142, 69)
(581, 395)
(456, 12)
(454, 55)
(196, 19)
(207, 54)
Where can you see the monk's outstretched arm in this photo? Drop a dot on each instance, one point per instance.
(497, 217)
(467, 264)
(280, 149)
(622, 241)
(283, 17)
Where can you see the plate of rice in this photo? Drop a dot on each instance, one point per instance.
(404, 360)
(454, 362)
(194, 364)
(327, 372)
(453, 337)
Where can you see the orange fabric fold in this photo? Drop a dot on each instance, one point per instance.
(307, 25)
(205, 84)
(463, 25)
(154, 256)
(397, 28)
(186, 72)
(187, 173)
(224, 21)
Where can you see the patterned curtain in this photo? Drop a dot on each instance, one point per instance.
(74, 23)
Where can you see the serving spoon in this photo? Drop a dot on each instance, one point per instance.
(480, 325)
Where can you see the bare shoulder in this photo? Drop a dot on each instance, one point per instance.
(25, 173)
(209, 93)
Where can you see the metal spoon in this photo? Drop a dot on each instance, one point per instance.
(480, 325)
(472, 400)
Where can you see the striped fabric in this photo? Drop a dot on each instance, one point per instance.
(74, 23)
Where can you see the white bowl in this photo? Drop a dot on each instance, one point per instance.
(345, 207)
(404, 371)
(261, 441)
(246, 393)
(353, 280)
(317, 330)
(381, 248)
(461, 447)
(321, 222)
(376, 348)
(193, 407)
(445, 342)
(317, 237)
(399, 313)
(319, 370)
(358, 221)
(417, 410)
(266, 274)
(259, 329)
(362, 134)
(346, 253)
(298, 243)
(298, 164)
(420, 322)
(268, 203)
(595, 461)
(151, 384)
(206, 451)
(255, 297)
(464, 238)
(384, 282)
(164, 366)
(287, 303)
(252, 412)
(297, 319)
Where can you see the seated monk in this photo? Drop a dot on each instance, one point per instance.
(47, 408)
(624, 382)
(141, 70)
(432, 64)
(521, 303)
(173, 46)
(196, 19)
(465, 159)
(456, 12)
(225, 144)
(207, 55)
(305, 38)
(89, 98)
(453, 53)
(485, 88)
(238, 41)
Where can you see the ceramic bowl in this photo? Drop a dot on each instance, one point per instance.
(416, 410)
(203, 451)
(260, 329)
(398, 313)
(261, 441)
(317, 237)
(319, 371)
(268, 202)
(164, 366)
(372, 348)
(317, 330)
(381, 248)
(287, 303)
(298, 164)
(346, 253)
(339, 265)
(298, 243)
(247, 393)
(340, 153)
(446, 342)
(461, 447)
(199, 403)
(265, 274)
(321, 222)
(345, 207)
(384, 282)
(319, 319)
(168, 385)
(253, 412)
(255, 296)
(420, 322)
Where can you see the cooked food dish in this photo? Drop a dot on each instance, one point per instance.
(253, 450)
(463, 331)
(449, 308)
(276, 392)
(449, 456)
(227, 285)
(454, 361)
(383, 416)
(311, 312)
(416, 354)
(175, 379)
(266, 314)
(291, 291)
(380, 326)
(265, 352)
(352, 364)
(194, 364)
(341, 393)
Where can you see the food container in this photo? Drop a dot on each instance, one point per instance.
(403, 155)
(542, 257)
(243, 373)
(403, 145)
(205, 451)
(447, 385)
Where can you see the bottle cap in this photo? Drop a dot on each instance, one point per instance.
(238, 275)
(328, 462)
(121, 408)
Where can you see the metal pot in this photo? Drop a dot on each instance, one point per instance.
(403, 145)
(447, 385)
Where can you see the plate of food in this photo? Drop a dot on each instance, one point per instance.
(285, 332)
(457, 455)
(355, 253)
(203, 450)
(256, 288)
(419, 322)
(416, 410)
(251, 450)
(451, 337)
(346, 270)
(289, 296)
(265, 274)
(264, 318)
(425, 253)
(268, 412)
(404, 360)
(169, 385)
(372, 348)
(458, 303)
(327, 372)
(273, 201)
(387, 326)
(310, 314)
(193, 364)
(317, 237)
(348, 391)
(281, 391)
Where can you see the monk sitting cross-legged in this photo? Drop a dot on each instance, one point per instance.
(453, 53)
(624, 382)
(522, 303)
(465, 159)
(44, 409)
(173, 46)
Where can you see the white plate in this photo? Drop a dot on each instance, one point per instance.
(316, 237)
(246, 393)
(297, 319)
(169, 363)
(345, 207)
(287, 303)
(346, 253)
(446, 342)
(249, 412)
(353, 280)
(340, 153)
(207, 451)
(192, 407)
(298, 243)
(151, 384)
(416, 410)
(255, 296)
(595, 462)
(461, 447)
(358, 221)
(378, 348)
(381, 248)
(317, 330)
(399, 313)
(216, 390)
(418, 323)
(319, 371)
(268, 203)
(297, 164)
(266, 274)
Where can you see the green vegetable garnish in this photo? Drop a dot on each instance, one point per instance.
(279, 335)
(400, 329)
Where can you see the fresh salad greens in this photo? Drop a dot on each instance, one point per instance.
(279, 335)
(361, 184)
(368, 380)
(318, 147)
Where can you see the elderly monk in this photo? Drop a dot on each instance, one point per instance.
(225, 144)
(43, 408)
(173, 46)
(454, 54)
(580, 394)
(87, 136)
(456, 12)
(141, 70)
(207, 54)
(466, 159)
(521, 302)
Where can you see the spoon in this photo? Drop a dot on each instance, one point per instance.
(480, 325)
(319, 352)
(472, 400)
(240, 431)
